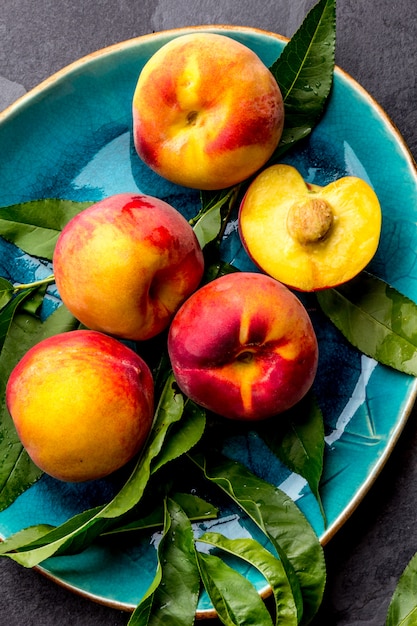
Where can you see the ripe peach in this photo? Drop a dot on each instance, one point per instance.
(82, 404)
(306, 236)
(243, 346)
(207, 112)
(124, 265)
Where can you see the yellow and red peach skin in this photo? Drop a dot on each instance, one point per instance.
(124, 265)
(244, 347)
(82, 404)
(207, 112)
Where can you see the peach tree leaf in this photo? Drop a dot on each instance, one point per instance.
(34, 226)
(271, 568)
(32, 304)
(6, 292)
(283, 523)
(183, 435)
(27, 535)
(402, 610)
(235, 599)
(297, 439)
(193, 506)
(173, 595)
(8, 312)
(24, 544)
(211, 220)
(376, 319)
(304, 73)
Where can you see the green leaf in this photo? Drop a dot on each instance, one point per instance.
(169, 411)
(173, 596)
(78, 532)
(183, 435)
(64, 538)
(402, 610)
(235, 599)
(208, 226)
(376, 319)
(25, 536)
(35, 226)
(283, 523)
(6, 292)
(270, 567)
(215, 210)
(215, 270)
(297, 439)
(304, 72)
(33, 304)
(8, 312)
(193, 506)
(17, 335)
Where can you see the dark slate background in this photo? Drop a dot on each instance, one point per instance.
(377, 45)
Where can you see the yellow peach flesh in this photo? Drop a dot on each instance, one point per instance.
(346, 249)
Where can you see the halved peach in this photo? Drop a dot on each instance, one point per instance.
(306, 236)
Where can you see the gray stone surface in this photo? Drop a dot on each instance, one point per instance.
(377, 45)
(9, 92)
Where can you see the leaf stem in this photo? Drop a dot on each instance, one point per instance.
(234, 193)
(37, 283)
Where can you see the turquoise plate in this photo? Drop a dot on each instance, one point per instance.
(71, 138)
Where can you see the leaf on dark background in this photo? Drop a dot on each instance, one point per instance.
(17, 472)
(35, 226)
(376, 319)
(402, 609)
(297, 439)
(304, 72)
(174, 594)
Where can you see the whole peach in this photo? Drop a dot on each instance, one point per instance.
(82, 404)
(207, 112)
(124, 265)
(244, 347)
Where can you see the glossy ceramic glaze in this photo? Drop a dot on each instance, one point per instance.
(72, 138)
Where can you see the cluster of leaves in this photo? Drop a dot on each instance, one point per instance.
(294, 567)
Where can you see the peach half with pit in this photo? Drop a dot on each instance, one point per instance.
(243, 346)
(207, 112)
(307, 236)
(124, 265)
(82, 404)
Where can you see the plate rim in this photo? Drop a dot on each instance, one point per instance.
(119, 47)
